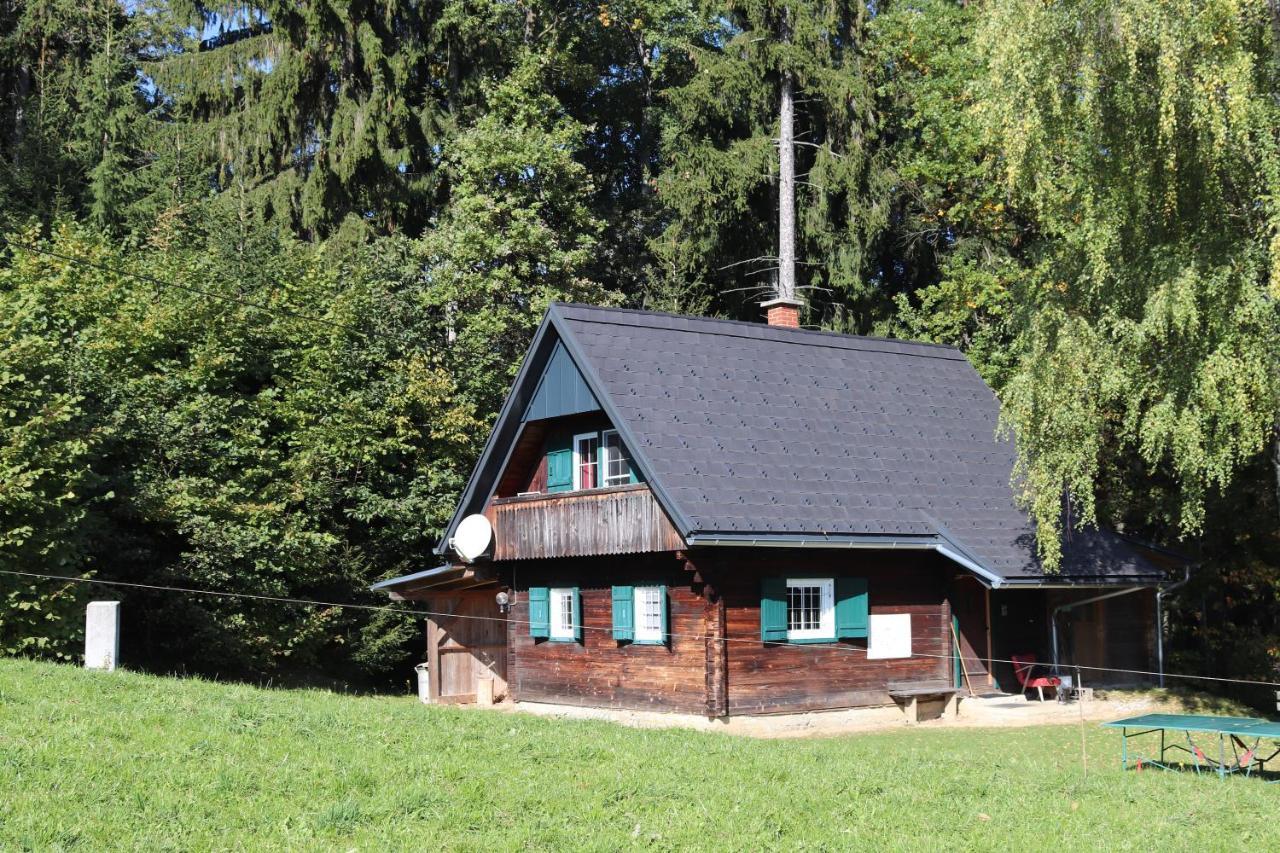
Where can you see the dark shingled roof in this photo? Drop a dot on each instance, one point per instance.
(752, 431)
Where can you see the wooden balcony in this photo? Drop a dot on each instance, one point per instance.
(619, 520)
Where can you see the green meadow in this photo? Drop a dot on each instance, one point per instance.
(126, 761)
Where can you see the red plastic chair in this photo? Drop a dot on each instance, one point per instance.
(1022, 670)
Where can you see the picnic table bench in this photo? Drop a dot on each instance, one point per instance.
(1241, 735)
(909, 693)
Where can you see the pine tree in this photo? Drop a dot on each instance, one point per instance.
(519, 232)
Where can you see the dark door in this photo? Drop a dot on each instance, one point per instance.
(969, 607)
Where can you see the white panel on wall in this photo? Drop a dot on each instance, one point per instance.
(890, 636)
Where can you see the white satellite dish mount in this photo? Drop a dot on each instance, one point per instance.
(472, 538)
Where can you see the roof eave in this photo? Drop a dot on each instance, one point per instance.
(491, 444)
(415, 577)
(872, 542)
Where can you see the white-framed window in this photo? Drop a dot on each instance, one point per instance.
(617, 464)
(560, 600)
(811, 608)
(586, 460)
(648, 614)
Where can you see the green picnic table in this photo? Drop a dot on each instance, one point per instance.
(1240, 736)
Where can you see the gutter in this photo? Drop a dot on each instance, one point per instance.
(989, 578)
(1160, 594)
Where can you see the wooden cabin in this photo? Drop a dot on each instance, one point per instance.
(719, 518)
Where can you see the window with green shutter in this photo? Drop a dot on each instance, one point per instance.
(539, 613)
(640, 615)
(813, 610)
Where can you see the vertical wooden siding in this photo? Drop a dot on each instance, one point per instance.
(621, 520)
(465, 645)
(1118, 632)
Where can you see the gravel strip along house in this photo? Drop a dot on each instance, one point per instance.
(722, 518)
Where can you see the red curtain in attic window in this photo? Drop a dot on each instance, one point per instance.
(586, 455)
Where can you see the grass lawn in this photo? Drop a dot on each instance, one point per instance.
(98, 760)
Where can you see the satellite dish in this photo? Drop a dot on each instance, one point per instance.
(472, 538)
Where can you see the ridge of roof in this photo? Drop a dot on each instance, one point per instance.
(755, 331)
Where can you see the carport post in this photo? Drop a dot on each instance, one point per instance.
(1160, 594)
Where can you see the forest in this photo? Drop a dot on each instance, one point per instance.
(267, 271)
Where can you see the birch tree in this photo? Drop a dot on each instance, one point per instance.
(1142, 135)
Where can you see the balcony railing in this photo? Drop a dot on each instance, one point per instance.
(620, 520)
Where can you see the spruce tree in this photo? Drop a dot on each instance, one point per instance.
(320, 116)
(73, 122)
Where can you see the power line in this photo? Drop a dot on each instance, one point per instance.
(159, 282)
(278, 599)
(832, 646)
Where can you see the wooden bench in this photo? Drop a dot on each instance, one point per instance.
(909, 693)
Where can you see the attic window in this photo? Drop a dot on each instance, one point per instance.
(617, 462)
(586, 461)
(591, 460)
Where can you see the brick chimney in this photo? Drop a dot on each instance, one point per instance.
(783, 312)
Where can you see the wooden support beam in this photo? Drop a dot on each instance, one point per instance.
(433, 660)
(991, 679)
(717, 658)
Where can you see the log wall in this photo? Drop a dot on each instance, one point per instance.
(771, 678)
(602, 672)
(714, 595)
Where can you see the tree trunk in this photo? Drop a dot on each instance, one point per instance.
(787, 191)
(1275, 459)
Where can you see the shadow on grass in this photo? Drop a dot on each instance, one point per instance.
(1186, 701)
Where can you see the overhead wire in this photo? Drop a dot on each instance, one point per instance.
(831, 646)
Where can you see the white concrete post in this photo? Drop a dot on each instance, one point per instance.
(102, 635)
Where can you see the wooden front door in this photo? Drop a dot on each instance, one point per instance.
(464, 646)
(969, 607)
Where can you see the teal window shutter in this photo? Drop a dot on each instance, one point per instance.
(559, 470)
(577, 614)
(851, 607)
(539, 612)
(773, 609)
(624, 613)
(666, 622)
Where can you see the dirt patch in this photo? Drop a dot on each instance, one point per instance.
(974, 712)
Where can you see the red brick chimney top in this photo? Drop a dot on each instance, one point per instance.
(783, 312)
